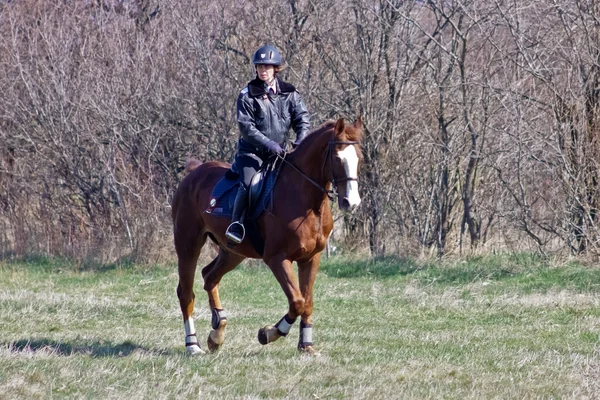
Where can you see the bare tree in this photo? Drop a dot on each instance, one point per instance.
(481, 117)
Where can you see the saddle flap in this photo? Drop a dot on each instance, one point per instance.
(220, 197)
(261, 185)
(256, 186)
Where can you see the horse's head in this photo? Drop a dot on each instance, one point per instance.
(345, 158)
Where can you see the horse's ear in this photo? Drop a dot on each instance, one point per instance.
(358, 124)
(339, 127)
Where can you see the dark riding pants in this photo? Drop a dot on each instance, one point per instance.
(246, 165)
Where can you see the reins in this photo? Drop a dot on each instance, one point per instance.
(331, 194)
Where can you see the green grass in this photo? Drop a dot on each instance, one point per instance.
(507, 326)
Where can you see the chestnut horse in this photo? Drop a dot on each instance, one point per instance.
(295, 228)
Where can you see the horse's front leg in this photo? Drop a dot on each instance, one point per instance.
(284, 273)
(307, 272)
(212, 274)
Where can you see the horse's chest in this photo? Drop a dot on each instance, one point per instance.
(316, 231)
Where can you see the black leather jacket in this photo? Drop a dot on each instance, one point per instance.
(263, 117)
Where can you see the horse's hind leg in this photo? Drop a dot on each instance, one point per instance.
(188, 249)
(212, 274)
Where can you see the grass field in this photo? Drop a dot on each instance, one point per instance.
(505, 327)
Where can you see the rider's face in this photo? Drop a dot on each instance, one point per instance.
(266, 73)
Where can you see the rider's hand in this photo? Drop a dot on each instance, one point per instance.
(275, 148)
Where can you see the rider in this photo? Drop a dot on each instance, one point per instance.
(266, 109)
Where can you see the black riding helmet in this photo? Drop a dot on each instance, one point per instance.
(267, 55)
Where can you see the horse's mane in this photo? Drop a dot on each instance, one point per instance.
(191, 164)
(315, 134)
(351, 134)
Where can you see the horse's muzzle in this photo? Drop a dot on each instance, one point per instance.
(346, 204)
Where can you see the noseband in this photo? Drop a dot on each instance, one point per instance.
(331, 194)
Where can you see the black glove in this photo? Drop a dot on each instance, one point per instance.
(275, 148)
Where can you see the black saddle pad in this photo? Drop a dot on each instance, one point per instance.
(222, 196)
(224, 192)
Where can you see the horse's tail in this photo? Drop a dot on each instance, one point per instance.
(191, 165)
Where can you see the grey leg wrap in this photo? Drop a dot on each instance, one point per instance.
(305, 336)
(191, 340)
(217, 316)
(284, 325)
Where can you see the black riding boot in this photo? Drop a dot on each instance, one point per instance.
(236, 232)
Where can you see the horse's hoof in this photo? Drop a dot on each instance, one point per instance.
(194, 350)
(212, 345)
(309, 350)
(262, 335)
(215, 340)
(216, 337)
(268, 334)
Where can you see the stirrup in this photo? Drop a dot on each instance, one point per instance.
(232, 235)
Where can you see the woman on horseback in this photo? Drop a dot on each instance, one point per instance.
(266, 110)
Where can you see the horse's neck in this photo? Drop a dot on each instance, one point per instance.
(312, 159)
(312, 163)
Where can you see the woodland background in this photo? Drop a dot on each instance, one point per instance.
(481, 118)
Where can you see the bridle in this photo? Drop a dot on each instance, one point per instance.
(331, 194)
(332, 144)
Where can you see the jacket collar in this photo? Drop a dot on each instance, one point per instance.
(256, 87)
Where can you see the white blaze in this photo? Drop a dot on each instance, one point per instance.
(350, 160)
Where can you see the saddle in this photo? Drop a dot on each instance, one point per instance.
(259, 198)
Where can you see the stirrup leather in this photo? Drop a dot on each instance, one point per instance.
(232, 236)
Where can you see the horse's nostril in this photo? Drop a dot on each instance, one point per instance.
(345, 203)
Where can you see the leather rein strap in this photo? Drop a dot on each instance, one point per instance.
(331, 194)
